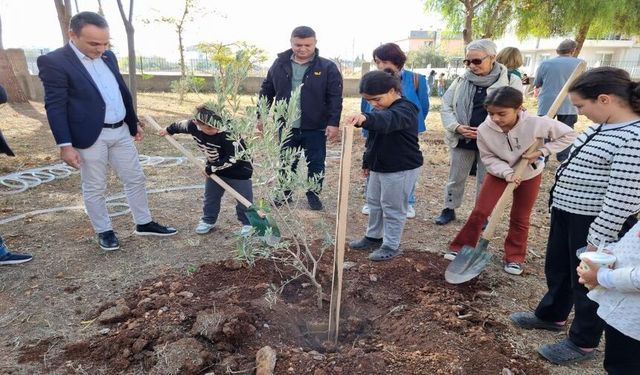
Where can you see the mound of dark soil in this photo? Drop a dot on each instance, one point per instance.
(397, 317)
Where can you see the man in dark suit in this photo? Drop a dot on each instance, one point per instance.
(93, 121)
(6, 257)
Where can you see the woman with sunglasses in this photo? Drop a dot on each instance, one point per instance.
(462, 112)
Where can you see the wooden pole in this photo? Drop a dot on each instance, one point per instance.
(341, 232)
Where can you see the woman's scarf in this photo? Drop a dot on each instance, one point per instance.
(467, 89)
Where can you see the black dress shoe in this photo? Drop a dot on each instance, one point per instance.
(154, 229)
(108, 241)
(448, 215)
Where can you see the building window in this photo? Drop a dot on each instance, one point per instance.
(604, 58)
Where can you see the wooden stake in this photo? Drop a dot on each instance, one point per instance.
(341, 232)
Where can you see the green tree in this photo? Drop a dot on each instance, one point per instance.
(475, 18)
(180, 23)
(424, 57)
(581, 18)
(131, 61)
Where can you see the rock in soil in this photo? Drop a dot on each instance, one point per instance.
(185, 356)
(265, 361)
(114, 314)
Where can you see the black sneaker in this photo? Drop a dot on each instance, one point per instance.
(108, 241)
(10, 258)
(288, 198)
(154, 229)
(314, 202)
(448, 215)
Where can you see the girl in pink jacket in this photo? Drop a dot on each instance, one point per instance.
(503, 137)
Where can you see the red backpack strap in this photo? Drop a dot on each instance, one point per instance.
(416, 82)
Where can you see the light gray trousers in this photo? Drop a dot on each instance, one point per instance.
(115, 148)
(461, 163)
(388, 201)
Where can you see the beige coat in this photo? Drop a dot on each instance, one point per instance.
(450, 98)
(500, 151)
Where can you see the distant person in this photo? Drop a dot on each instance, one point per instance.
(220, 154)
(526, 84)
(462, 112)
(511, 57)
(320, 102)
(392, 160)
(595, 199)
(509, 124)
(441, 85)
(550, 77)
(93, 121)
(7, 257)
(431, 80)
(414, 88)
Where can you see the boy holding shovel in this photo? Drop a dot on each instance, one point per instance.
(206, 128)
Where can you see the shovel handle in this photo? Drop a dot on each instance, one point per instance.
(197, 163)
(522, 163)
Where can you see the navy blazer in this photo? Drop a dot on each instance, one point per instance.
(75, 108)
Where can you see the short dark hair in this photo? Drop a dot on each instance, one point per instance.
(303, 32)
(390, 52)
(505, 97)
(566, 46)
(379, 82)
(82, 19)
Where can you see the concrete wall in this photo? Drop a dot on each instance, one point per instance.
(162, 83)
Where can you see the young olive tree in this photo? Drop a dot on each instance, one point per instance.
(303, 239)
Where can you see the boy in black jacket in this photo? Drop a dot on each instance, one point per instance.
(220, 152)
(392, 160)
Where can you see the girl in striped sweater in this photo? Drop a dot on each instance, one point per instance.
(594, 199)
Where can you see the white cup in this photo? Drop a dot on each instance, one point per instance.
(599, 258)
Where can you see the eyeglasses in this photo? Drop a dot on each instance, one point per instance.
(468, 62)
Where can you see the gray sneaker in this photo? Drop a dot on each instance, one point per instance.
(529, 320)
(365, 243)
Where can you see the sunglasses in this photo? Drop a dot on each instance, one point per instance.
(468, 62)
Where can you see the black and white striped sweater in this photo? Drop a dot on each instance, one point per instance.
(603, 179)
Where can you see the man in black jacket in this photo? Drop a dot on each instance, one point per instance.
(320, 101)
(7, 257)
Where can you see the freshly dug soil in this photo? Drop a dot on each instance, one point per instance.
(397, 317)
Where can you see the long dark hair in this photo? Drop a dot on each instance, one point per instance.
(608, 81)
(379, 82)
(505, 97)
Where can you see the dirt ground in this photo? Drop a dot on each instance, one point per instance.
(182, 305)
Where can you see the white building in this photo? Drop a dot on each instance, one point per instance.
(617, 51)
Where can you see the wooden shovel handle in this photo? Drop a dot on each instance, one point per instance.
(149, 120)
(522, 163)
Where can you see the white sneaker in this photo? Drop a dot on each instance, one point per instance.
(450, 255)
(246, 230)
(513, 268)
(411, 212)
(365, 210)
(204, 228)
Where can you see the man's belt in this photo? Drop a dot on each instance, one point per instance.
(114, 126)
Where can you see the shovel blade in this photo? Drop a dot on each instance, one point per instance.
(263, 225)
(468, 264)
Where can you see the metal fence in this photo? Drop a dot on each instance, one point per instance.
(160, 65)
